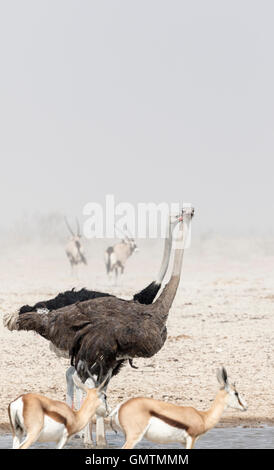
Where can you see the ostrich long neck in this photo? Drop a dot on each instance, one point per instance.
(148, 294)
(167, 296)
(165, 300)
(166, 254)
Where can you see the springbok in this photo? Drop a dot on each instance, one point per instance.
(43, 419)
(117, 255)
(74, 248)
(162, 422)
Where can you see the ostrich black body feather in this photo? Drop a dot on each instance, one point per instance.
(63, 299)
(69, 297)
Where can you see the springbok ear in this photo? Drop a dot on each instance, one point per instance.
(219, 376)
(222, 376)
(224, 372)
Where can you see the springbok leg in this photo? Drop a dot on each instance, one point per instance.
(88, 439)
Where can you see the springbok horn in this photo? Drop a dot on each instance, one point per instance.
(89, 370)
(78, 382)
(68, 226)
(101, 386)
(96, 363)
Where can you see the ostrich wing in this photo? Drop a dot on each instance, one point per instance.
(110, 338)
(57, 326)
(60, 326)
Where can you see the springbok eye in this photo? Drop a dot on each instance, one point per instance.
(237, 394)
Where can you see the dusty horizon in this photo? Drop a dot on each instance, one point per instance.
(181, 112)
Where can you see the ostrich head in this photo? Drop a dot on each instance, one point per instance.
(177, 222)
(186, 211)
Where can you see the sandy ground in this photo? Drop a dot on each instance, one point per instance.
(223, 314)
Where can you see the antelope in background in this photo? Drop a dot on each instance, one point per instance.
(116, 256)
(162, 422)
(74, 248)
(44, 420)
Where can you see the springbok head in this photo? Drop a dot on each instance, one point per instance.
(96, 394)
(233, 398)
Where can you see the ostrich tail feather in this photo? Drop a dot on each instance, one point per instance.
(10, 320)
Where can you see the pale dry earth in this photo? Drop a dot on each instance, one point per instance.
(223, 314)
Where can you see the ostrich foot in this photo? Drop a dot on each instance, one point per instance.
(101, 444)
(89, 445)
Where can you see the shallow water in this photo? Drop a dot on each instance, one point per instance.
(218, 438)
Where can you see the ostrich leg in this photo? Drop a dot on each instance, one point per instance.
(78, 400)
(88, 440)
(100, 423)
(70, 386)
(100, 432)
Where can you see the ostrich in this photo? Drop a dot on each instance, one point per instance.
(74, 248)
(116, 256)
(145, 296)
(101, 334)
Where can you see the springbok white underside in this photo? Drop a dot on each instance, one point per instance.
(52, 430)
(161, 432)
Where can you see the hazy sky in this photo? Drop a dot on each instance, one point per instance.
(149, 100)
